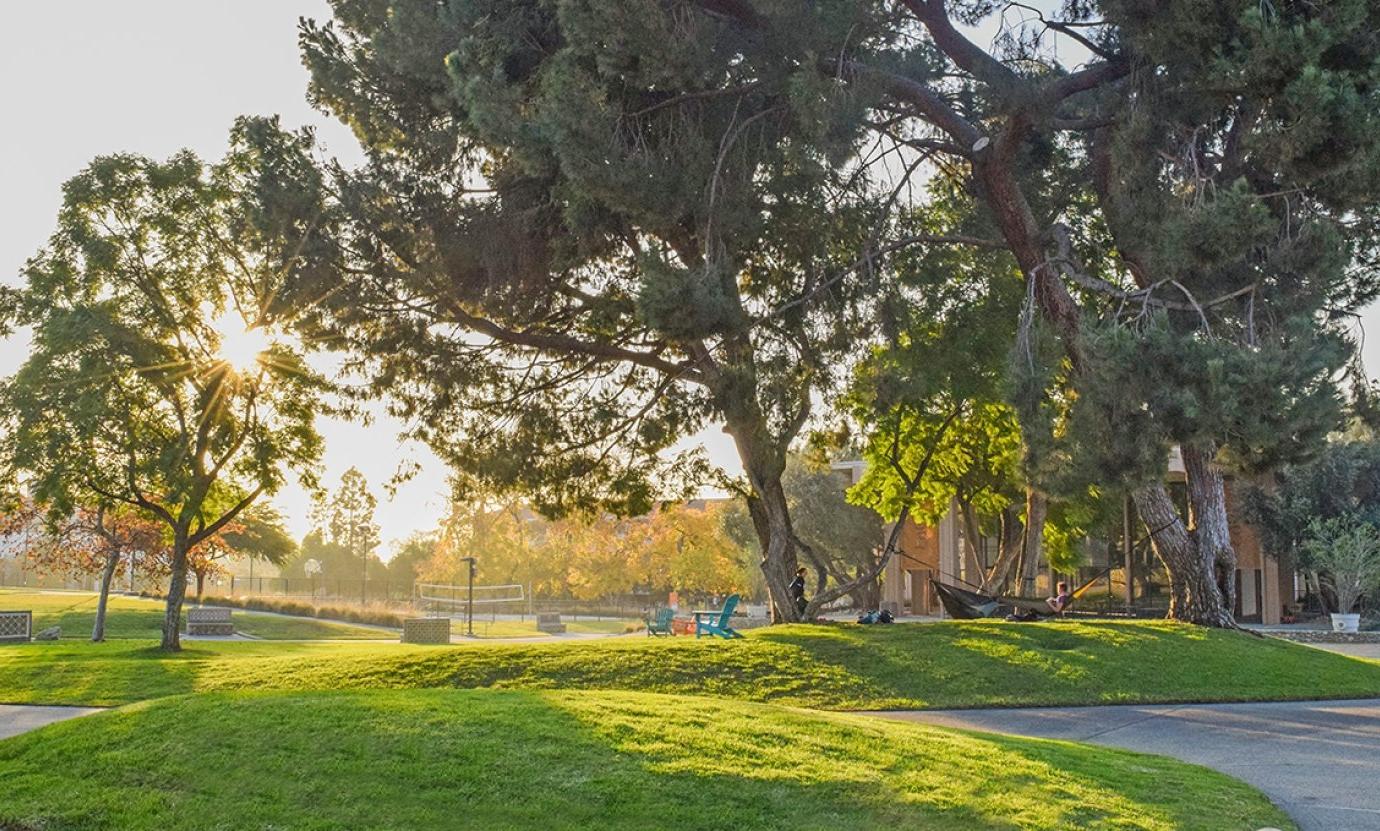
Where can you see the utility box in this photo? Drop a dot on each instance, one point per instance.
(426, 630)
(16, 627)
(550, 623)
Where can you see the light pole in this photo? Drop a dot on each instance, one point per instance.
(469, 601)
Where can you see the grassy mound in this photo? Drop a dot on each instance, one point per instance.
(960, 664)
(142, 618)
(497, 760)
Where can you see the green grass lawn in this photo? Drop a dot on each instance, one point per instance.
(955, 664)
(138, 617)
(481, 759)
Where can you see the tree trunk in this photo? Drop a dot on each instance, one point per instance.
(976, 575)
(112, 559)
(771, 520)
(177, 591)
(1207, 514)
(868, 593)
(1032, 544)
(200, 582)
(1011, 536)
(764, 460)
(1194, 596)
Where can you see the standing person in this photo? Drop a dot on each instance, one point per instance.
(798, 590)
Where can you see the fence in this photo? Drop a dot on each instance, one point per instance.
(398, 594)
(402, 593)
(316, 589)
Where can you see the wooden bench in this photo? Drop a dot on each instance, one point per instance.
(16, 627)
(209, 620)
(550, 623)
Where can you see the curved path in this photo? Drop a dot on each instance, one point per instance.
(21, 718)
(1318, 760)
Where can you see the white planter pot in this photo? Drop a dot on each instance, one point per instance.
(1346, 623)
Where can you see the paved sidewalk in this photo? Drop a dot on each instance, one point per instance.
(21, 718)
(1318, 760)
(1370, 651)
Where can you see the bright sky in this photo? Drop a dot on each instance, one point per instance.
(85, 77)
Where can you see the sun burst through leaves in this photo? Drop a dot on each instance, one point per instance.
(241, 346)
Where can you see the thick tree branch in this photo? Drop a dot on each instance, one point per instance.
(565, 343)
(225, 518)
(1090, 77)
(926, 101)
(967, 55)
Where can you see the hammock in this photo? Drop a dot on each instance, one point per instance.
(962, 604)
(968, 605)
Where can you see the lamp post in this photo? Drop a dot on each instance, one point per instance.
(469, 601)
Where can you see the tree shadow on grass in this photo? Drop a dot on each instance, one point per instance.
(532, 760)
(992, 663)
(844, 666)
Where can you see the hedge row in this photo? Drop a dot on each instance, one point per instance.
(301, 608)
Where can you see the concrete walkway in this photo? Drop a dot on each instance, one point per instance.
(21, 718)
(1370, 651)
(1318, 760)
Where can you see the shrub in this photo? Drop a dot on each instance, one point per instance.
(1345, 551)
(375, 616)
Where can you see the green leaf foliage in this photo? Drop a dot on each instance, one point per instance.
(134, 389)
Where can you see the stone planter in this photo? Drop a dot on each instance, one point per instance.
(1346, 623)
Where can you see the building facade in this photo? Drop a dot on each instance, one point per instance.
(1120, 573)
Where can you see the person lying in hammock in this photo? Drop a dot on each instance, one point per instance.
(1061, 599)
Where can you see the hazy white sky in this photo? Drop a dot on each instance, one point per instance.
(78, 79)
(85, 77)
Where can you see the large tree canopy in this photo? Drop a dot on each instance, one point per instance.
(563, 257)
(588, 228)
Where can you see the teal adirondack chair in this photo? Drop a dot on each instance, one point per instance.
(661, 624)
(715, 622)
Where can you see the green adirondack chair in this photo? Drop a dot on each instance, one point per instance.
(715, 622)
(661, 624)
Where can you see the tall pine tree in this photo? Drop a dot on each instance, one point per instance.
(589, 228)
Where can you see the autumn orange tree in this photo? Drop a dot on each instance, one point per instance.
(586, 558)
(103, 540)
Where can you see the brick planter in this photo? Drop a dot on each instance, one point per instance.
(426, 630)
